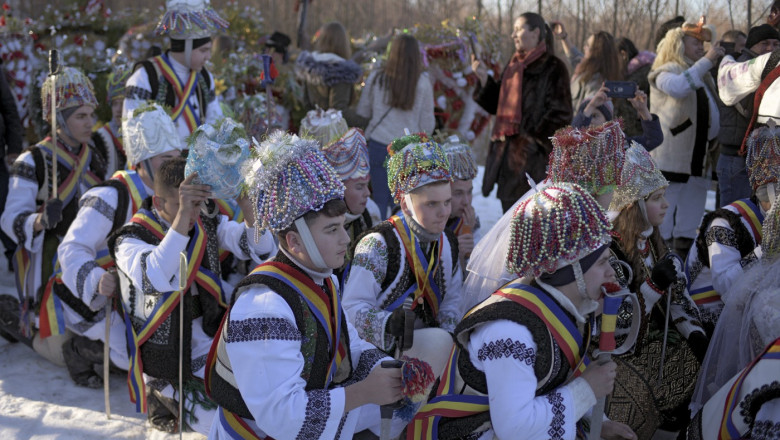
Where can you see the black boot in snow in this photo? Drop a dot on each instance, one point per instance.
(81, 355)
(160, 416)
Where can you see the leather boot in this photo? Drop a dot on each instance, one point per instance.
(160, 416)
(81, 355)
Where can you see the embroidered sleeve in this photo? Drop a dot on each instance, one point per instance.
(133, 92)
(99, 205)
(146, 283)
(317, 414)
(19, 221)
(24, 171)
(370, 324)
(557, 430)
(368, 360)
(721, 235)
(243, 244)
(749, 260)
(685, 315)
(371, 254)
(262, 329)
(81, 277)
(506, 348)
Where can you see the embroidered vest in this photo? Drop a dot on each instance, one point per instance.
(220, 382)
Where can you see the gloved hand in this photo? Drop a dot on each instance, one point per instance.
(396, 323)
(664, 273)
(51, 214)
(698, 342)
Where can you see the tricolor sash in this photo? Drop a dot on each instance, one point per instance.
(135, 187)
(447, 403)
(325, 306)
(459, 227)
(750, 212)
(562, 328)
(424, 270)
(205, 278)
(236, 427)
(183, 91)
(78, 167)
(731, 410)
(705, 295)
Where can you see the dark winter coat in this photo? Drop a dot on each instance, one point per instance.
(11, 132)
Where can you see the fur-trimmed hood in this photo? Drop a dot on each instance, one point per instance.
(326, 69)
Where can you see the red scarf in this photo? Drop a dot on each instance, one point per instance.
(509, 114)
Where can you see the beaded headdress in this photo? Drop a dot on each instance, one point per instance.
(763, 156)
(639, 179)
(414, 161)
(324, 126)
(288, 178)
(463, 166)
(252, 112)
(217, 154)
(591, 157)
(149, 131)
(190, 19)
(553, 228)
(770, 231)
(349, 155)
(74, 89)
(115, 84)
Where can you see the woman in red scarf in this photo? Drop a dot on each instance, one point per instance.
(531, 100)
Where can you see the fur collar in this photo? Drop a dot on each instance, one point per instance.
(326, 69)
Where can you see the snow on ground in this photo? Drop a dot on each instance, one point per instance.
(38, 399)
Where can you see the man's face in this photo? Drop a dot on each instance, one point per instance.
(200, 56)
(80, 123)
(116, 109)
(461, 196)
(432, 205)
(601, 272)
(331, 239)
(356, 194)
(167, 204)
(765, 46)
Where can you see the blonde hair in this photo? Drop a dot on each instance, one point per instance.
(672, 50)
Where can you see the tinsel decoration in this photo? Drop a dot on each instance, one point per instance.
(640, 178)
(553, 228)
(324, 126)
(74, 89)
(115, 84)
(413, 161)
(349, 155)
(185, 19)
(763, 156)
(463, 166)
(591, 157)
(417, 378)
(217, 154)
(288, 177)
(770, 231)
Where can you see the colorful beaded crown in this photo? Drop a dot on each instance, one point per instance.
(74, 89)
(288, 178)
(115, 84)
(349, 155)
(553, 228)
(591, 157)
(217, 154)
(149, 131)
(324, 126)
(639, 179)
(770, 231)
(414, 161)
(463, 166)
(763, 156)
(190, 19)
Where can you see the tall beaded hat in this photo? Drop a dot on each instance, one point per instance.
(639, 179)
(348, 155)
(591, 157)
(463, 166)
(190, 20)
(287, 178)
(115, 84)
(555, 227)
(73, 89)
(763, 156)
(217, 153)
(324, 126)
(148, 132)
(414, 161)
(770, 231)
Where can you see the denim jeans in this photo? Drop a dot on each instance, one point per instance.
(733, 182)
(377, 152)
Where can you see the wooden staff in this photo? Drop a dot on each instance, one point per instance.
(54, 66)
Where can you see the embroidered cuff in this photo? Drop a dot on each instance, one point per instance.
(651, 294)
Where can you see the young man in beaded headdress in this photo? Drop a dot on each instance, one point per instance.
(150, 139)
(34, 216)
(347, 152)
(147, 252)
(729, 240)
(534, 330)
(287, 363)
(463, 221)
(108, 137)
(410, 261)
(178, 78)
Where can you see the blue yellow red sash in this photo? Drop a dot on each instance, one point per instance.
(447, 403)
(236, 427)
(424, 271)
(206, 279)
(562, 328)
(609, 323)
(459, 227)
(750, 212)
(183, 91)
(727, 428)
(231, 209)
(325, 306)
(705, 295)
(135, 187)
